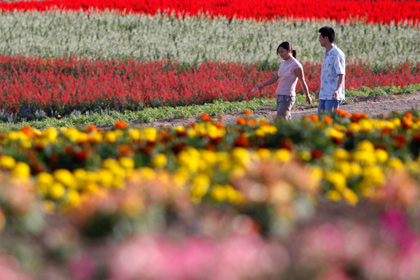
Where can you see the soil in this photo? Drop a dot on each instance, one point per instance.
(372, 105)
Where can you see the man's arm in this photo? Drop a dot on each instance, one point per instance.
(340, 84)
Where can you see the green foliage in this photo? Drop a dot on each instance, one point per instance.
(218, 107)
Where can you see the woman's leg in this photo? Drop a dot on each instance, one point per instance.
(284, 106)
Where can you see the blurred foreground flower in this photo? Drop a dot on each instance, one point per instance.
(198, 258)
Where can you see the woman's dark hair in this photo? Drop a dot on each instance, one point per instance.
(327, 31)
(287, 46)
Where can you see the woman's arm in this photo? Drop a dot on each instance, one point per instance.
(301, 77)
(270, 81)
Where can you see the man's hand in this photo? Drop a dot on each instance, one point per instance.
(308, 99)
(335, 95)
(317, 93)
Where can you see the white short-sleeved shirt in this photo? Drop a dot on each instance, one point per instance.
(287, 77)
(334, 63)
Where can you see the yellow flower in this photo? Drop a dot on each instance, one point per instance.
(105, 177)
(180, 129)
(50, 134)
(127, 163)
(233, 195)
(355, 169)
(57, 191)
(336, 178)
(96, 137)
(66, 178)
(21, 170)
(263, 153)
(341, 154)
(134, 134)
(350, 196)
(365, 125)
(334, 133)
(381, 155)
(343, 167)
(72, 134)
(365, 145)
(200, 185)
(190, 158)
(150, 134)
(373, 176)
(209, 157)
(159, 160)
(305, 155)
(73, 198)
(110, 163)
(365, 157)
(333, 195)
(7, 162)
(241, 156)
(111, 136)
(395, 163)
(283, 155)
(45, 178)
(219, 193)
(148, 173)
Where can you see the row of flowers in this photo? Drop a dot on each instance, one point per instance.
(352, 157)
(384, 12)
(195, 40)
(68, 84)
(191, 205)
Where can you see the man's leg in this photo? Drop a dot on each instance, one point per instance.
(332, 106)
(321, 107)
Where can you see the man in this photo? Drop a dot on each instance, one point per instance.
(331, 93)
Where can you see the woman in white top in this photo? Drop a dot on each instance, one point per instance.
(290, 71)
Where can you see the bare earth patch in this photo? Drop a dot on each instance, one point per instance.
(372, 105)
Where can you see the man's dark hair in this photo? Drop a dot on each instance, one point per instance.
(327, 31)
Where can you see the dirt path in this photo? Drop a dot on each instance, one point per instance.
(373, 106)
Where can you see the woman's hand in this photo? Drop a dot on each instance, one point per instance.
(257, 88)
(308, 99)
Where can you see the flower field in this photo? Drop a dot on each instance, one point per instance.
(312, 198)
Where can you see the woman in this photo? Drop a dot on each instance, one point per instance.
(290, 71)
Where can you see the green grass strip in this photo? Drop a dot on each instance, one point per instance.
(214, 109)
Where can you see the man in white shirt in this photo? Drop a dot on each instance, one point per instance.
(331, 93)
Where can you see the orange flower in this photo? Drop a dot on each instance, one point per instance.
(120, 125)
(252, 122)
(220, 125)
(408, 115)
(343, 113)
(206, 117)
(241, 121)
(220, 118)
(355, 117)
(27, 130)
(125, 150)
(328, 120)
(247, 112)
(92, 128)
(314, 118)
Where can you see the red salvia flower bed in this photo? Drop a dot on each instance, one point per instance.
(67, 84)
(380, 11)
